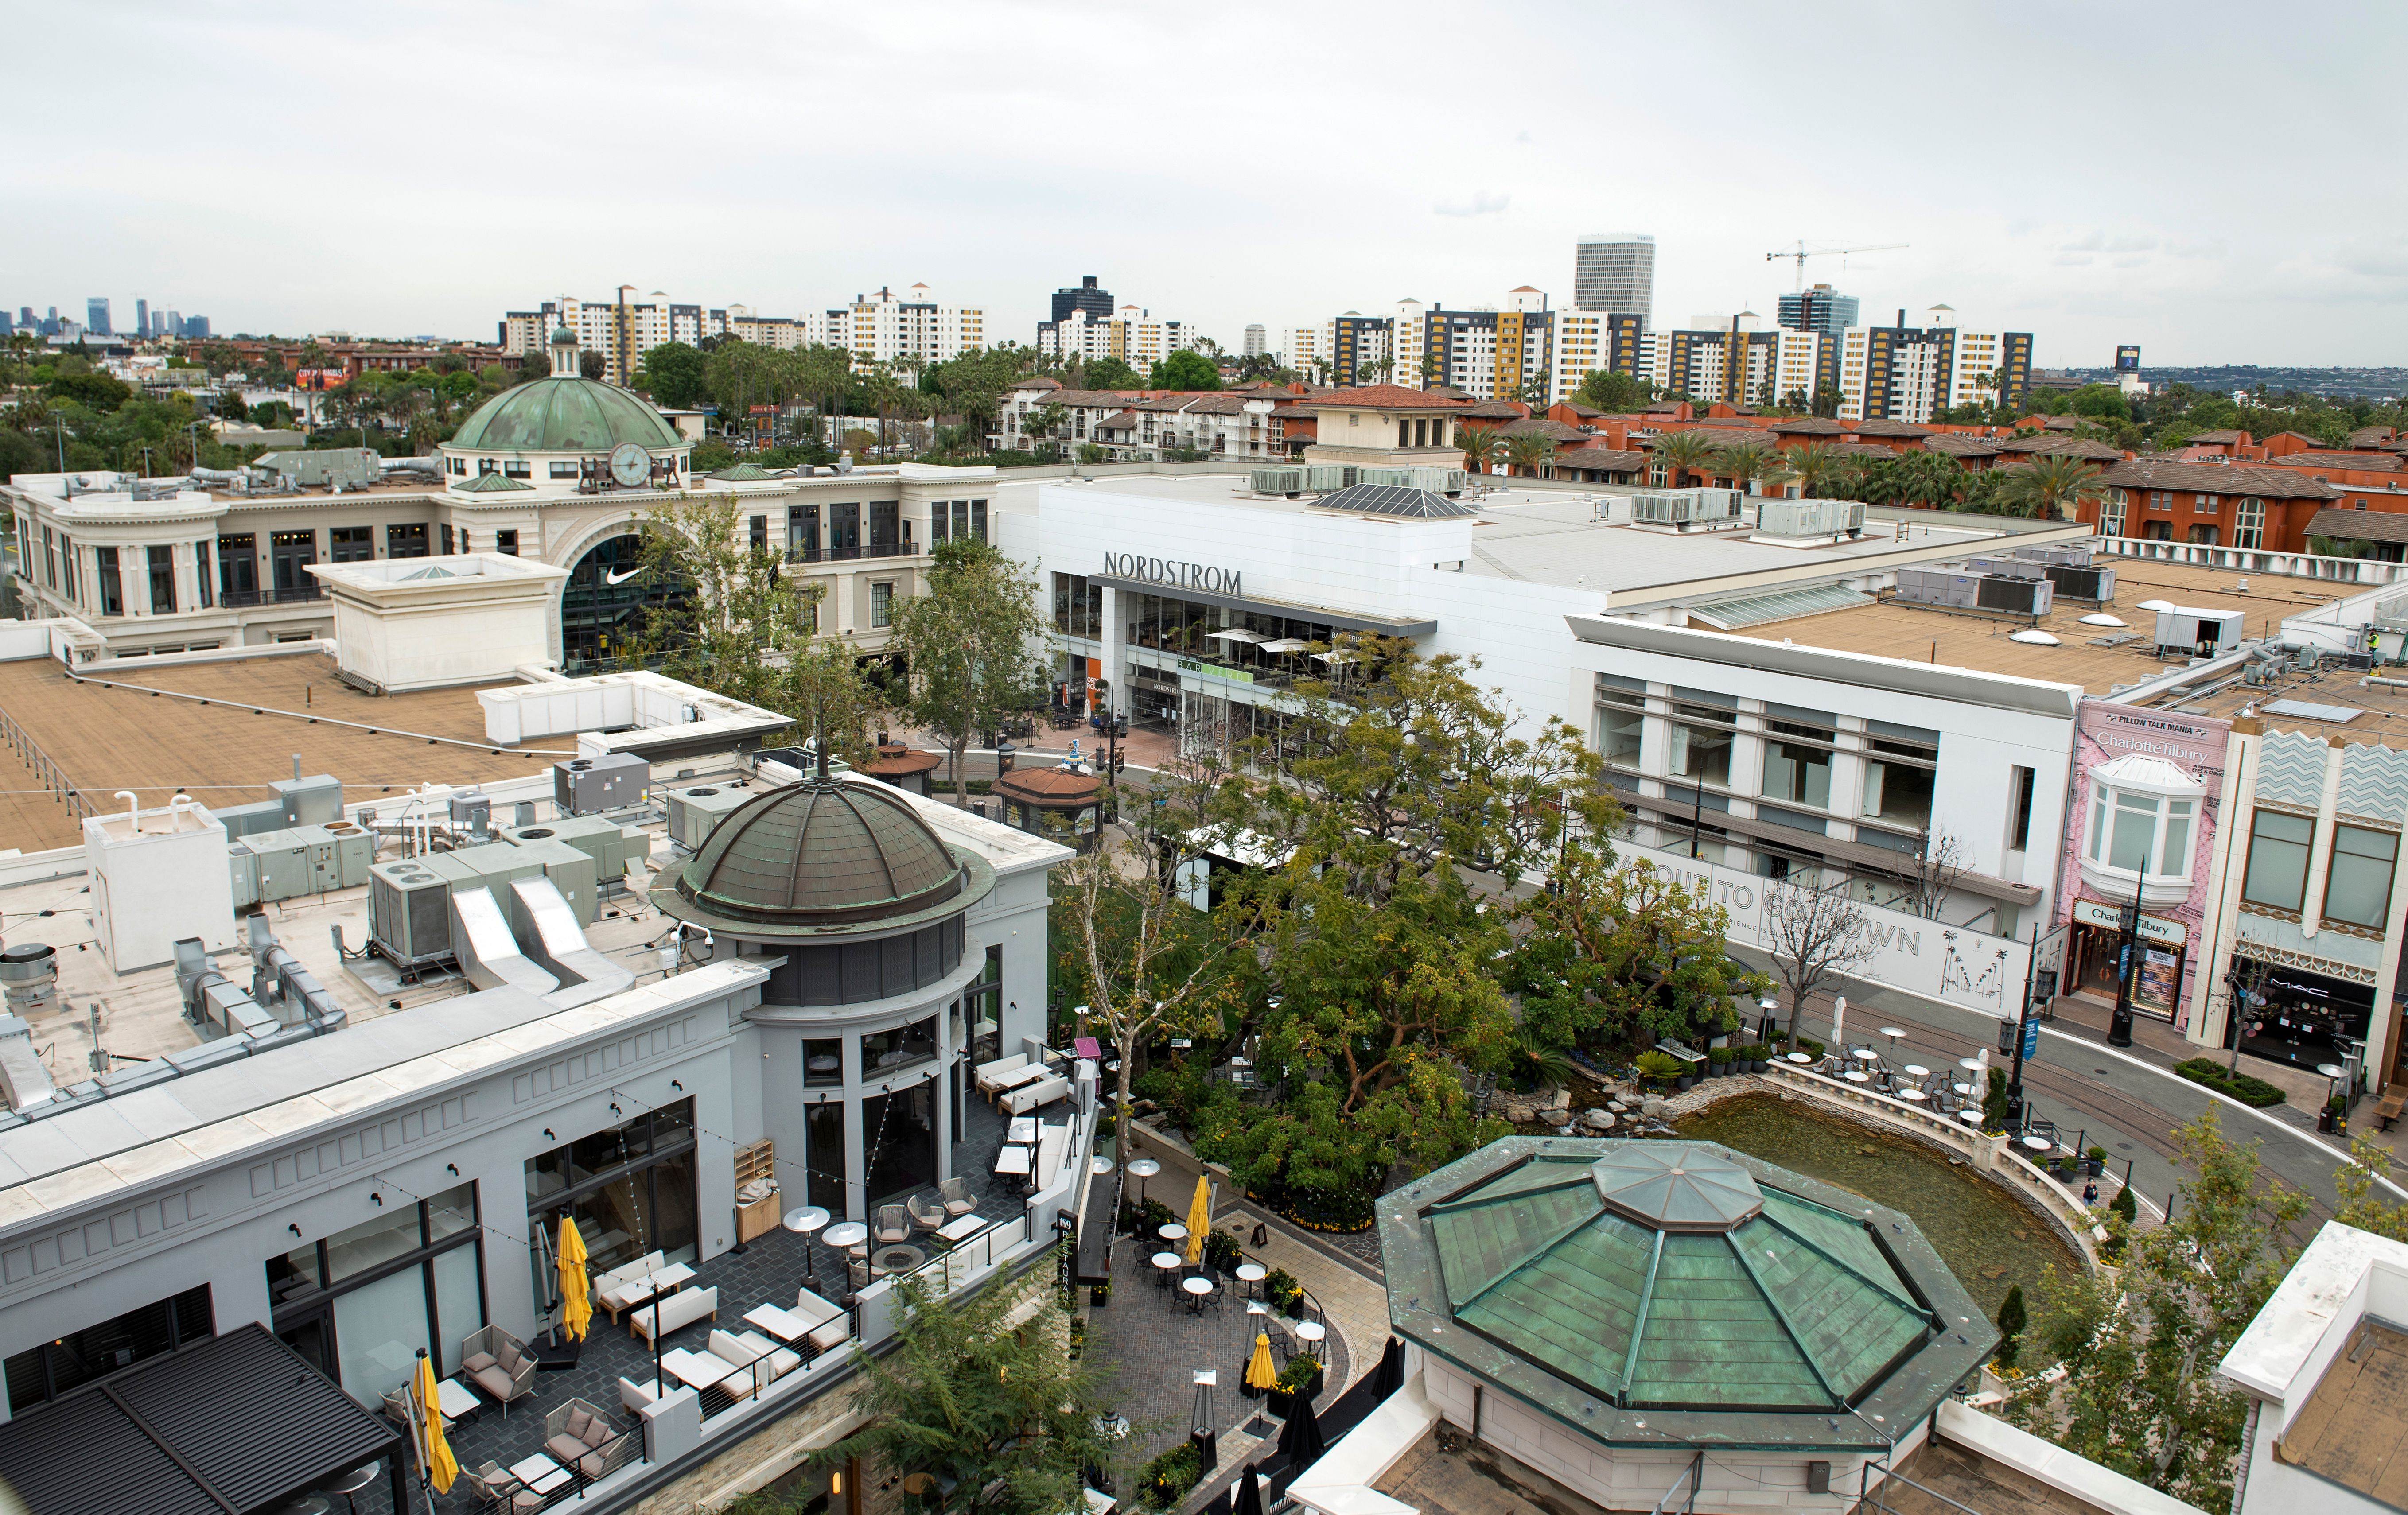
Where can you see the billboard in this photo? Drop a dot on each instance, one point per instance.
(1929, 959)
(2128, 359)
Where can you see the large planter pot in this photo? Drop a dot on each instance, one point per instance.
(1759, 1065)
(1280, 1401)
(1683, 1081)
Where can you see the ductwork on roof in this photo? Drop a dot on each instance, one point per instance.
(433, 467)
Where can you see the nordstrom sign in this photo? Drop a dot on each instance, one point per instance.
(1177, 575)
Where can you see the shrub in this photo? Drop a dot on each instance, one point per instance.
(2011, 1325)
(1167, 1479)
(2125, 1205)
(1809, 1046)
(1661, 1066)
(2250, 1090)
(1298, 1372)
(1280, 1290)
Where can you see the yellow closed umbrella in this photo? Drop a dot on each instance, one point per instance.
(1199, 1220)
(435, 1452)
(575, 1309)
(1259, 1372)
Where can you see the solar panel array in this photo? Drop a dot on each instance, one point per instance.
(1390, 500)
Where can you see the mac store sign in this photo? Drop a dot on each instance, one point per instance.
(1177, 574)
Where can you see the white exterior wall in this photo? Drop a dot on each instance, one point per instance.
(153, 886)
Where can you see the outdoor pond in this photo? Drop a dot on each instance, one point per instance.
(1984, 1234)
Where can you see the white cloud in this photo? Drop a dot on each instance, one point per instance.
(1483, 203)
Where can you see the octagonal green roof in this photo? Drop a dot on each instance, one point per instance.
(818, 855)
(564, 415)
(1720, 1298)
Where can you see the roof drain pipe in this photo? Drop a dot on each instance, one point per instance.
(133, 808)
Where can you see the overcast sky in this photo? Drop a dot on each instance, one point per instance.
(2213, 182)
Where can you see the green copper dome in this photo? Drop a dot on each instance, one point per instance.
(564, 415)
(819, 855)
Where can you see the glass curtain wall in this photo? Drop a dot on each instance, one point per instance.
(900, 1141)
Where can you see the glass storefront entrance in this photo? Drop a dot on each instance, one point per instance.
(2305, 1018)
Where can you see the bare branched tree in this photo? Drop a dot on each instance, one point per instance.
(1940, 858)
(1813, 935)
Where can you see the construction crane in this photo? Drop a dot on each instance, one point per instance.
(1800, 253)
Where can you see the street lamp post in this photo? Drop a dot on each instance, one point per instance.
(1697, 815)
(2119, 1029)
(2034, 978)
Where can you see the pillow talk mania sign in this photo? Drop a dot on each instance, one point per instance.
(1931, 959)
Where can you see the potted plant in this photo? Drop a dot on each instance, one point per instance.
(1718, 1063)
(1760, 1056)
(2095, 1160)
(1301, 1376)
(1100, 1294)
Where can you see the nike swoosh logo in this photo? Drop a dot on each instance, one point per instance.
(620, 579)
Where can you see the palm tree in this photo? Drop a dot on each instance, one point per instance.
(1480, 447)
(1750, 464)
(1814, 465)
(1532, 454)
(2051, 485)
(1681, 454)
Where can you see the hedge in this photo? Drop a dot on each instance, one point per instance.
(2241, 1086)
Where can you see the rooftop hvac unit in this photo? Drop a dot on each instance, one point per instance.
(2061, 556)
(2206, 631)
(312, 801)
(242, 868)
(581, 786)
(611, 846)
(2020, 596)
(472, 812)
(2007, 567)
(571, 872)
(1288, 481)
(286, 863)
(1686, 509)
(2096, 585)
(354, 850)
(1810, 518)
(410, 904)
(1326, 477)
(1950, 587)
(693, 811)
(354, 468)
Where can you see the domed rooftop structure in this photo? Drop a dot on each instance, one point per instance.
(565, 414)
(1678, 1281)
(821, 856)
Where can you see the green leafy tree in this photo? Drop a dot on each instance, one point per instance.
(967, 647)
(978, 1410)
(2051, 486)
(2141, 1344)
(672, 375)
(591, 364)
(2013, 1317)
(1480, 446)
(1603, 390)
(2104, 401)
(1184, 370)
(721, 616)
(1684, 454)
(1532, 454)
(1827, 400)
(1816, 465)
(90, 389)
(1044, 421)
(1751, 465)
(1111, 373)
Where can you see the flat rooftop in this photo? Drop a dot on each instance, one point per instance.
(1962, 1478)
(1553, 536)
(215, 748)
(2101, 658)
(2354, 1427)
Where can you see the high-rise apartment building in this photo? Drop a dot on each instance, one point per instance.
(1131, 333)
(1086, 297)
(1257, 341)
(1503, 353)
(142, 319)
(1819, 308)
(1913, 373)
(96, 319)
(875, 328)
(1614, 273)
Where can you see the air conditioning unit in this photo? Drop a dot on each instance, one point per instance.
(2020, 596)
(243, 868)
(2062, 557)
(1951, 587)
(2096, 585)
(1686, 509)
(581, 786)
(410, 903)
(693, 811)
(2014, 567)
(1809, 519)
(1287, 481)
(1328, 478)
(2209, 632)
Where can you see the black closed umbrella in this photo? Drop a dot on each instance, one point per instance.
(1250, 1495)
(1389, 1375)
(1300, 1439)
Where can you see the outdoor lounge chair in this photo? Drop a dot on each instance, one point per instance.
(926, 1214)
(578, 1436)
(499, 1364)
(893, 1225)
(497, 1491)
(957, 1195)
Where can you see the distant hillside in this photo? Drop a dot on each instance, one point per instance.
(2333, 384)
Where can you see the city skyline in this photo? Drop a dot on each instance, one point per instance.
(2087, 256)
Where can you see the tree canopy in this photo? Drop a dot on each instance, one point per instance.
(965, 646)
(1184, 370)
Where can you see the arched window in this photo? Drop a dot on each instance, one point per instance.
(2249, 523)
(2111, 523)
(2142, 830)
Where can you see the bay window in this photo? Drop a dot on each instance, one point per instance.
(2139, 837)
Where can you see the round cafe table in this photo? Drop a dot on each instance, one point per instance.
(1964, 1091)
(1251, 1274)
(1858, 1075)
(1916, 1071)
(1171, 1231)
(1914, 1096)
(1866, 1054)
(1799, 1057)
(1893, 1033)
(1970, 1065)
(1195, 1289)
(2037, 1144)
(1311, 1330)
(846, 1236)
(802, 1223)
(1164, 1265)
(1970, 1117)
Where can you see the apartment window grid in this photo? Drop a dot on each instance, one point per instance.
(882, 605)
(2205, 505)
(2162, 500)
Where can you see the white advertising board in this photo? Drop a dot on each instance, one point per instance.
(1951, 964)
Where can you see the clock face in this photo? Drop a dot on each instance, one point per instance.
(630, 465)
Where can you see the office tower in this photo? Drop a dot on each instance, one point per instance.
(196, 329)
(25, 318)
(142, 319)
(1614, 274)
(168, 323)
(1095, 302)
(95, 317)
(1820, 309)
(1256, 341)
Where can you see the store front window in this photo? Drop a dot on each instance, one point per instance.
(2303, 1019)
(361, 1304)
(630, 1190)
(43, 1372)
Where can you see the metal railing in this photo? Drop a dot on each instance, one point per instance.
(2249, 559)
(244, 599)
(852, 555)
(47, 773)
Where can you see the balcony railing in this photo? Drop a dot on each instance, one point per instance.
(244, 599)
(851, 554)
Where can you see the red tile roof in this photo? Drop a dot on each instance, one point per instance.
(1383, 398)
(2217, 478)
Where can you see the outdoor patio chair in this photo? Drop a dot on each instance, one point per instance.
(496, 1490)
(957, 1195)
(893, 1225)
(927, 1214)
(499, 1364)
(856, 1275)
(577, 1434)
